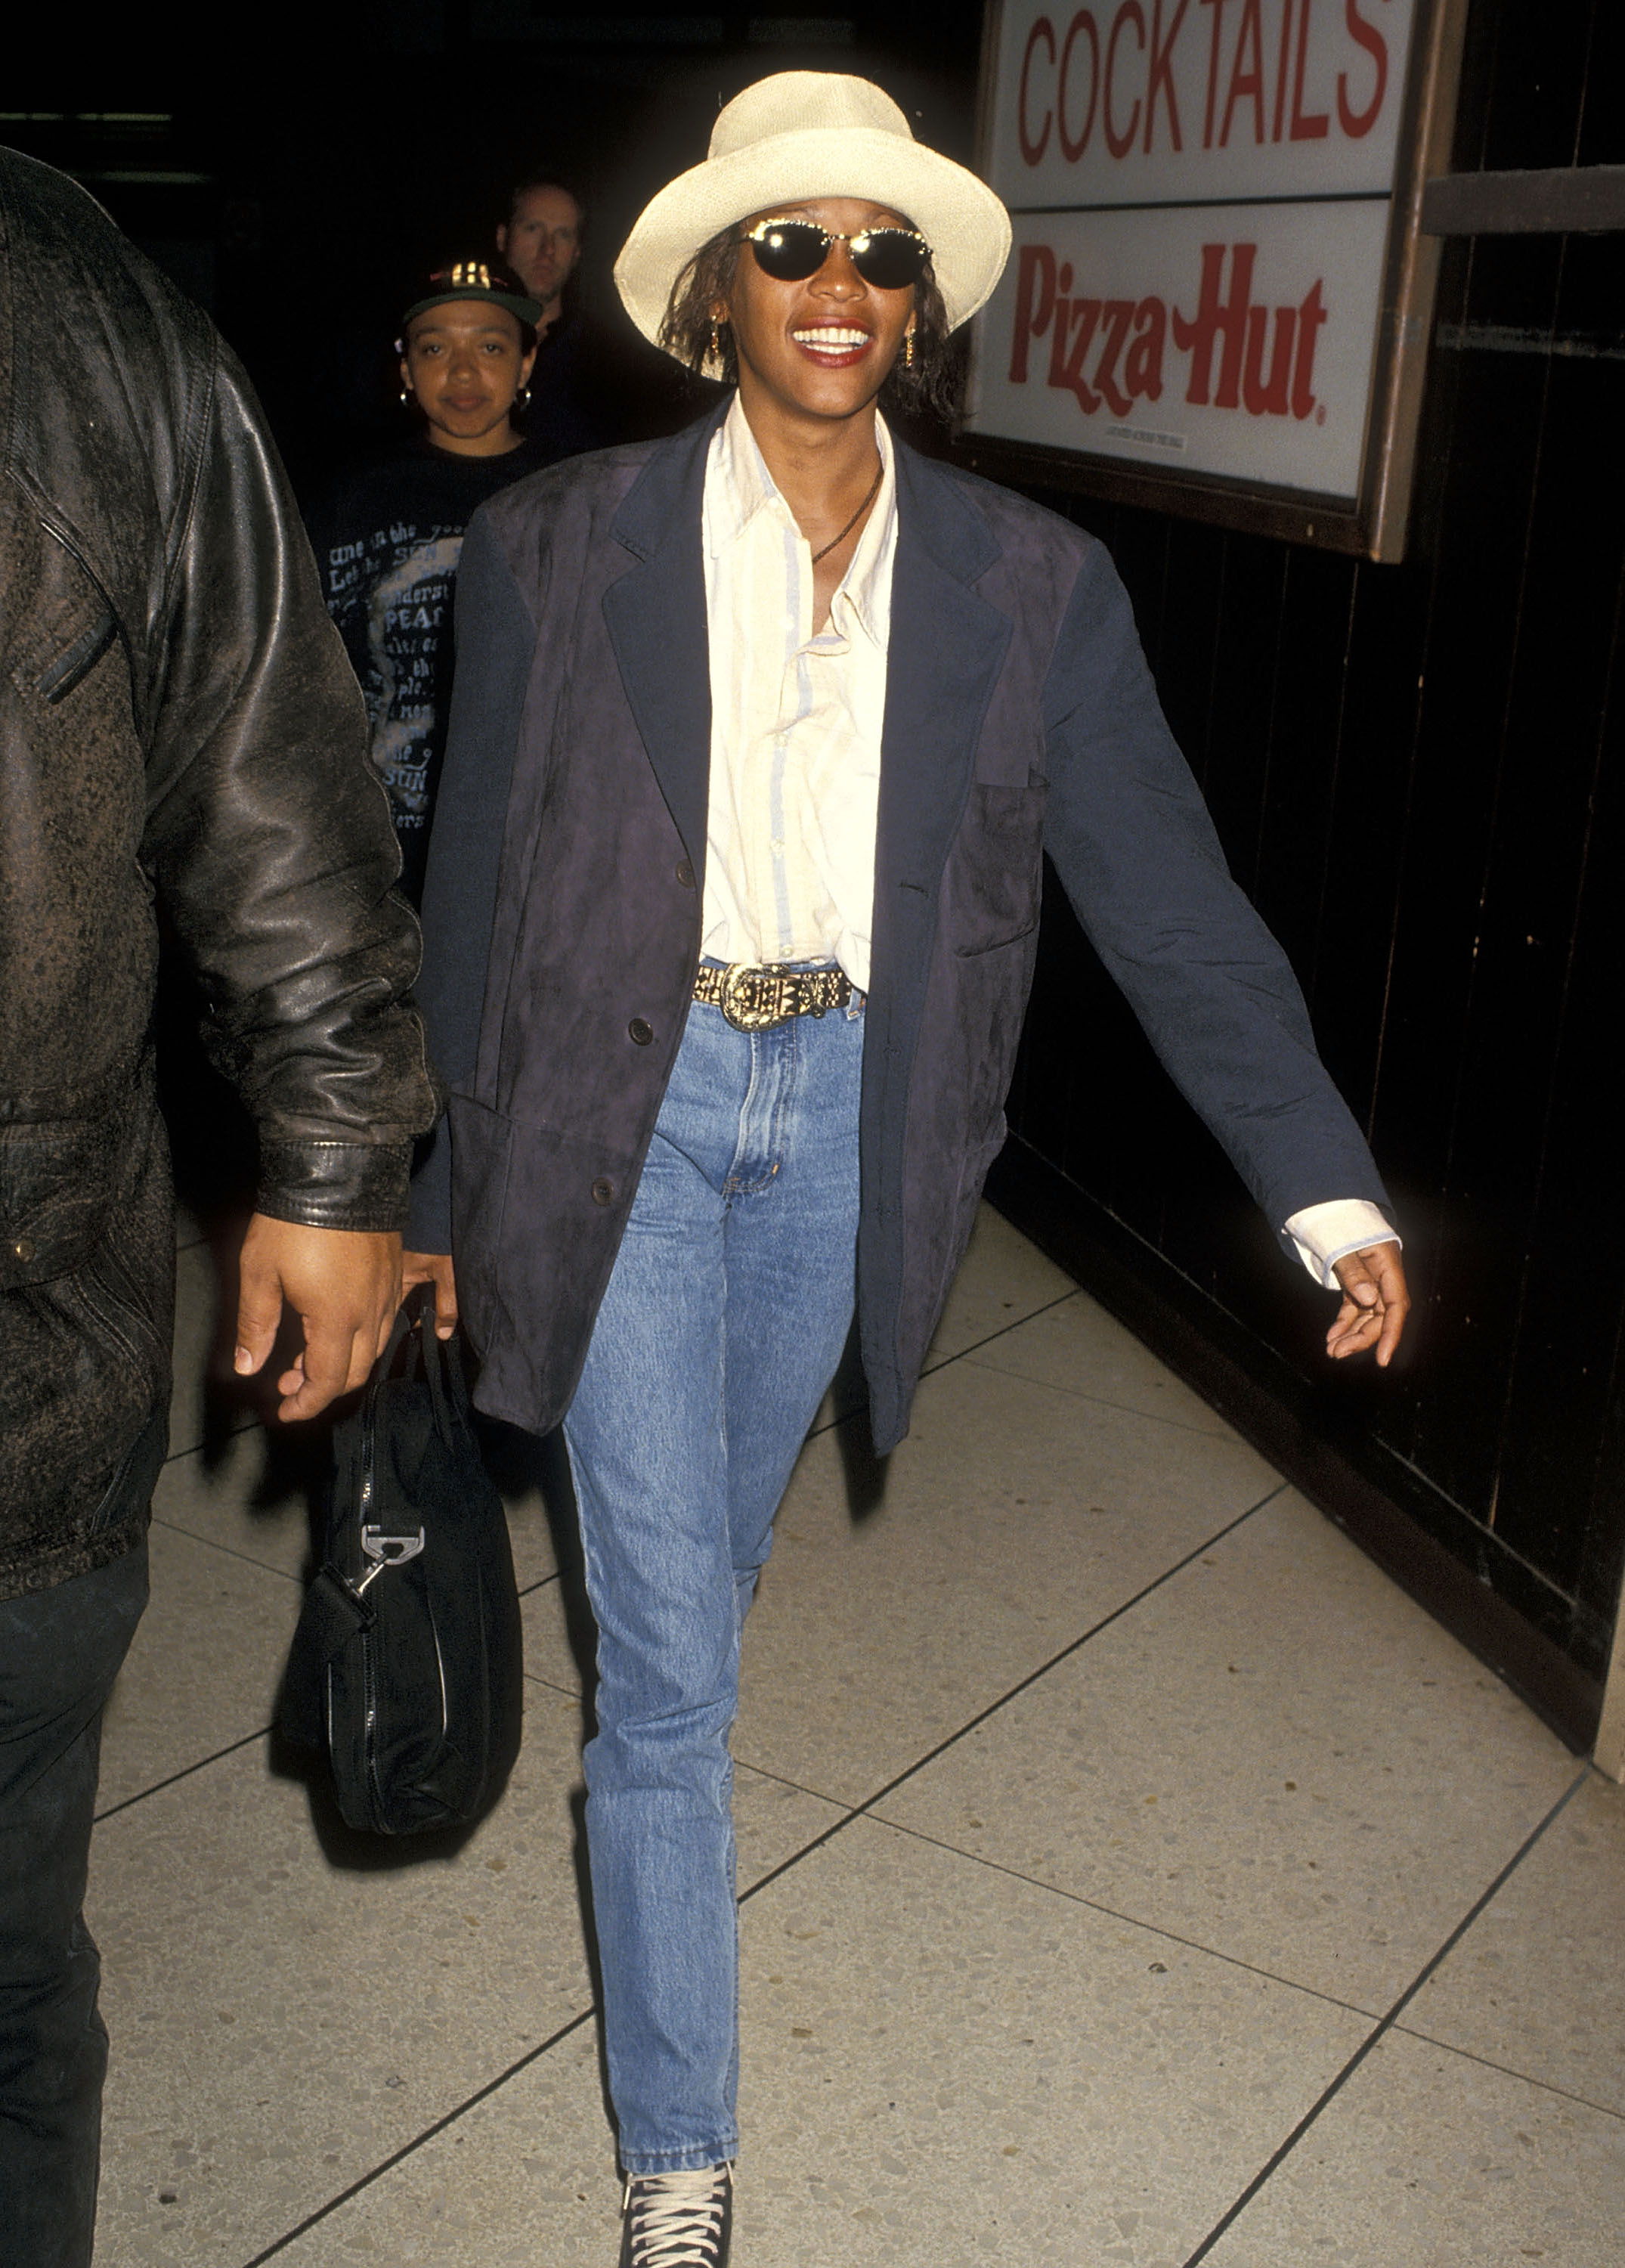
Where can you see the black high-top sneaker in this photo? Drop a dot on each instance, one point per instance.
(677, 2220)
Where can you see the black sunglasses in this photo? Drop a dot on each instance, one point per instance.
(790, 251)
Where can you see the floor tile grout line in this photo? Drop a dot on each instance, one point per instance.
(438, 2126)
(230, 1551)
(959, 1355)
(264, 1731)
(212, 1544)
(1229, 1436)
(840, 1417)
(1525, 2079)
(781, 1779)
(773, 1876)
(1022, 1685)
(1133, 1921)
(564, 1692)
(185, 1772)
(854, 1812)
(196, 1448)
(1381, 2031)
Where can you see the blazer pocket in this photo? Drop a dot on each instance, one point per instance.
(996, 869)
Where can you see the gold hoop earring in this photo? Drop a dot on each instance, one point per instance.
(908, 351)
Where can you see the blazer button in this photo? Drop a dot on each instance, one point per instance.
(685, 873)
(603, 1190)
(639, 1032)
(24, 1248)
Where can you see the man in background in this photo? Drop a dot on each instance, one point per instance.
(185, 746)
(541, 240)
(572, 406)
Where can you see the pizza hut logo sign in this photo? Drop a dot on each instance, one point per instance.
(1254, 359)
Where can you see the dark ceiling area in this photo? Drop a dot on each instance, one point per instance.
(297, 189)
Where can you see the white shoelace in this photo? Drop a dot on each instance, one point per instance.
(677, 2218)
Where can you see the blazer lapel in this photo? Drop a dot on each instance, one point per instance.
(943, 661)
(946, 648)
(656, 617)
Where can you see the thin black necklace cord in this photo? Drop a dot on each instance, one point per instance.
(874, 491)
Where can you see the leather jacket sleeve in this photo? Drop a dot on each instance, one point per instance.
(269, 842)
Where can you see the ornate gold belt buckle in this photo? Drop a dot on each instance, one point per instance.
(743, 1002)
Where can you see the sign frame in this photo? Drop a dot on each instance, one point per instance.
(1375, 525)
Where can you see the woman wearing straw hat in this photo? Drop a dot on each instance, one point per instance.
(758, 735)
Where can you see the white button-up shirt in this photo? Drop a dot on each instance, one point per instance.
(796, 718)
(796, 722)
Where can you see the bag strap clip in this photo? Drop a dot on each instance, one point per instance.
(387, 1551)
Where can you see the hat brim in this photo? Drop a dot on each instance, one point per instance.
(965, 223)
(527, 311)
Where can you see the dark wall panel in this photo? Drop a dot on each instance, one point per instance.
(1415, 770)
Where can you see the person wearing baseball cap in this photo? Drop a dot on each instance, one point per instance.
(760, 734)
(387, 535)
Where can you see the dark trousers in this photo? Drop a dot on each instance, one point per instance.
(59, 1650)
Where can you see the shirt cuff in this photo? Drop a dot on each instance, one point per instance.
(1326, 1234)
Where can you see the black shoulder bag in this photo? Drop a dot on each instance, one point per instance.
(406, 1665)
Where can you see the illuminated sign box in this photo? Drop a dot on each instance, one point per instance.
(1217, 300)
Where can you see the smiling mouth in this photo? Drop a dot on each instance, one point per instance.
(834, 339)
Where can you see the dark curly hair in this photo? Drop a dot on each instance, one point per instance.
(931, 385)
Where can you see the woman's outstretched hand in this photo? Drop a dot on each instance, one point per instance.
(1375, 1303)
(433, 1267)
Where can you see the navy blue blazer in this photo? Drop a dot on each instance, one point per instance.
(566, 874)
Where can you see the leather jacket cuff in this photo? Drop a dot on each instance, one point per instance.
(360, 1185)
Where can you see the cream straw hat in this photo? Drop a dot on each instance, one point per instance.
(816, 133)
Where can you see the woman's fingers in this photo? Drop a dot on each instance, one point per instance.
(1375, 1302)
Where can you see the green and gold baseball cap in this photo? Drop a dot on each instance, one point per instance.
(476, 279)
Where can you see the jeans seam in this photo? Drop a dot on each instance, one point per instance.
(733, 1184)
(789, 1054)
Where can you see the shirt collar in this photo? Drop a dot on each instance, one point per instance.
(743, 486)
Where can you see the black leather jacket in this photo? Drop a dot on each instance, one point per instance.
(179, 734)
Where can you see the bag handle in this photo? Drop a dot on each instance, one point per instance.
(405, 1320)
(399, 1332)
(435, 1358)
(448, 1390)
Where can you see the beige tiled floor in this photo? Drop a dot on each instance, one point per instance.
(1111, 1835)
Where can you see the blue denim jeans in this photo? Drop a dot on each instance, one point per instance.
(724, 1319)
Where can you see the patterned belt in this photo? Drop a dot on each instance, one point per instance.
(754, 998)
